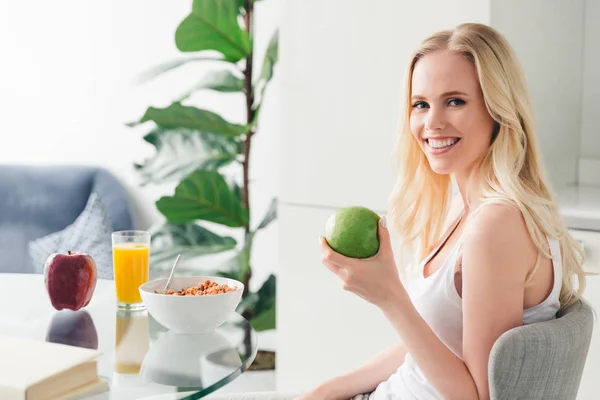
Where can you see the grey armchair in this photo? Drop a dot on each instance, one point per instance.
(38, 200)
(542, 361)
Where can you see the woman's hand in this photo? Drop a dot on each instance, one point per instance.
(375, 279)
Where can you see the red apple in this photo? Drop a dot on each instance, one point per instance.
(70, 280)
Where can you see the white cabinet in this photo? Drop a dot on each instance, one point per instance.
(341, 68)
(591, 244)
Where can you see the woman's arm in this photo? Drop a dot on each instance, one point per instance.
(496, 257)
(362, 380)
(497, 254)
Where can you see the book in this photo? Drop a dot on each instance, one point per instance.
(37, 370)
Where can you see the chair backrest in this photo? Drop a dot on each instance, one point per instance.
(36, 201)
(544, 360)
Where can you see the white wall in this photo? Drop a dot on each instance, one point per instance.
(548, 39)
(590, 131)
(342, 79)
(66, 92)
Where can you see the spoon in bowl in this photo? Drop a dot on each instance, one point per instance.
(171, 276)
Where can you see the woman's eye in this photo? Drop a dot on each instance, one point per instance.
(455, 102)
(420, 104)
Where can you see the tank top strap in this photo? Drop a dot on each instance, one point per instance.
(556, 255)
(440, 271)
(451, 261)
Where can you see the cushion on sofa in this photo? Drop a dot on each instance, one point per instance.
(89, 233)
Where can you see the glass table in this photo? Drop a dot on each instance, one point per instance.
(140, 358)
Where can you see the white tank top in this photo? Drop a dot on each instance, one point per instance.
(440, 305)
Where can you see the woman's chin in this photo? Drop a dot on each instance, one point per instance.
(441, 168)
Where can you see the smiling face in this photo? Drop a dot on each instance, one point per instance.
(449, 118)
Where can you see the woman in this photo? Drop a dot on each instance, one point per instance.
(494, 256)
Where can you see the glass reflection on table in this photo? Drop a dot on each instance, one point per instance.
(132, 341)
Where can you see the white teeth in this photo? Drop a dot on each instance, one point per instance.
(440, 144)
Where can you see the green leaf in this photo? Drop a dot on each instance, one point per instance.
(266, 294)
(168, 66)
(270, 60)
(221, 81)
(180, 116)
(254, 123)
(264, 309)
(242, 3)
(240, 262)
(228, 274)
(271, 57)
(248, 302)
(204, 195)
(181, 151)
(270, 216)
(213, 25)
(265, 321)
(237, 191)
(245, 254)
(190, 240)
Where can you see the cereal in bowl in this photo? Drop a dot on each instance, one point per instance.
(207, 287)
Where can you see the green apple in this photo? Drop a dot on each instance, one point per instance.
(352, 231)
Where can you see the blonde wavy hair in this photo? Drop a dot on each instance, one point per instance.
(511, 171)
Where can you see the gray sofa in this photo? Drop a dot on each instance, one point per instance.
(36, 201)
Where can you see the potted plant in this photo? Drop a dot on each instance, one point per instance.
(194, 146)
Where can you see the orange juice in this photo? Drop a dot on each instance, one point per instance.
(130, 264)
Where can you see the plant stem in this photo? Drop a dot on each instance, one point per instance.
(249, 91)
(246, 167)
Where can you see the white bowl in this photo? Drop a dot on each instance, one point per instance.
(190, 314)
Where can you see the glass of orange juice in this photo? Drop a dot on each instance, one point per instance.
(131, 254)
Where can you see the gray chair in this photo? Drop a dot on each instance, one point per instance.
(542, 361)
(38, 200)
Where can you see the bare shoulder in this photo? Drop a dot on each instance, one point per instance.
(493, 230)
(497, 221)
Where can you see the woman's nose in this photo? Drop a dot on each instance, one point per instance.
(435, 120)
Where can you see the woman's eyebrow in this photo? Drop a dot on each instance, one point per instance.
(445, 94)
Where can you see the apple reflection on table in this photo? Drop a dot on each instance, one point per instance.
(73, 328)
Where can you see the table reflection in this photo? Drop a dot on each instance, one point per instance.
(73, 328)
(190, 360)
(139, 357)
(132, 341)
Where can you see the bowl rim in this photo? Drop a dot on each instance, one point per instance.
(144, 290)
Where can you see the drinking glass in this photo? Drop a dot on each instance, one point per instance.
(131, 253)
